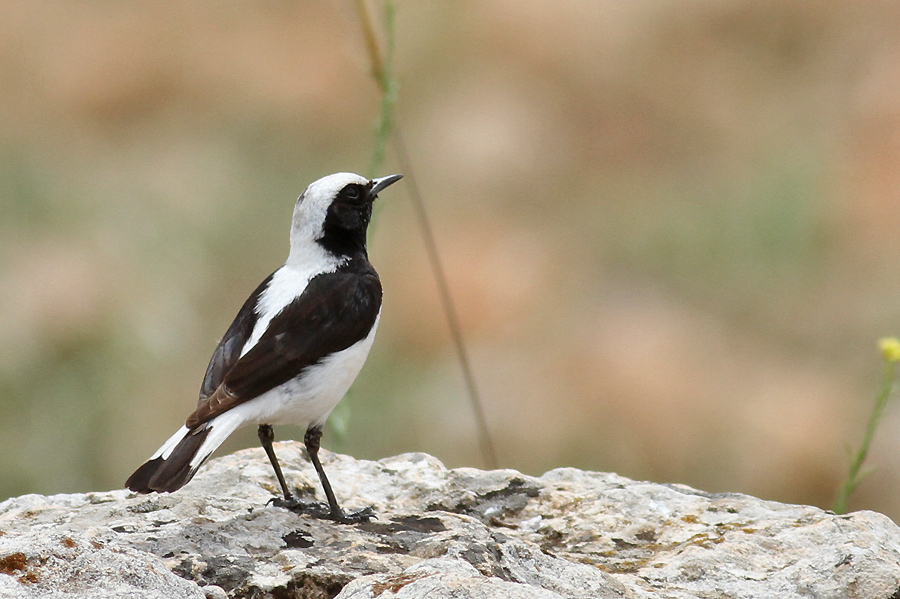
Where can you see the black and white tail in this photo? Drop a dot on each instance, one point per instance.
(176, 462)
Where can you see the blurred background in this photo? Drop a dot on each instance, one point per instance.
(671, 227)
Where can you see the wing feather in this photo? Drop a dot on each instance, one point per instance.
(229, 348)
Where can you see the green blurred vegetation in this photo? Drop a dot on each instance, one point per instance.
(671, 230)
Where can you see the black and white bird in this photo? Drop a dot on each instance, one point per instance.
(294, 348)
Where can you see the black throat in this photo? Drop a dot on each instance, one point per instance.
(344, 229)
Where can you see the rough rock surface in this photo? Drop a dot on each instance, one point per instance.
(440, 533)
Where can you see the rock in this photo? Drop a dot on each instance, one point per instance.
(440, 533)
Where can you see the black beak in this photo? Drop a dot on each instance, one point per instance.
(381, 183)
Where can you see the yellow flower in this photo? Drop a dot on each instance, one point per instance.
(890, 349)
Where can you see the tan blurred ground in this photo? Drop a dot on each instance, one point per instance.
(672, 228)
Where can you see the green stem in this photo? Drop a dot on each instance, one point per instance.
(855, 473)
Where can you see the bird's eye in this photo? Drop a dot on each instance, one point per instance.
(352, 192)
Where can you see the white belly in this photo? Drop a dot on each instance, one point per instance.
(308, 399)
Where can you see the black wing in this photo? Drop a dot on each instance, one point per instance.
(229, 349)
(335, 311)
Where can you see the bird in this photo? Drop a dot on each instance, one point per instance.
(294, 348)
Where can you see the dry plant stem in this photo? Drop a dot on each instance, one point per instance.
(487, 445)
(372, 45)
(855, 473)
(383, 75)
(381, 72)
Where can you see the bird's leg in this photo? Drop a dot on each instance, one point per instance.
(312, 440)
(266, 436)
(318, 510)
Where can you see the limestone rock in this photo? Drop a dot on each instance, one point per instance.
(440, 533)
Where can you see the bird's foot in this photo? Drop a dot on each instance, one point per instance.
(313, 508)
(322, 511)
(360, 517)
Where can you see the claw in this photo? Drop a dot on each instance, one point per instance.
(313, 508)
(360, 517)
(322, 511)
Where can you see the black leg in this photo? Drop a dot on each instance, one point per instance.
(266, 436)
(312, 440)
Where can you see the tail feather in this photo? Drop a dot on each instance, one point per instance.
(176, 462)
(174, 465)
